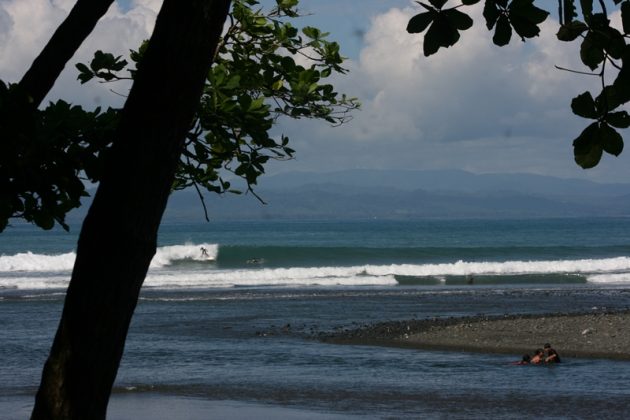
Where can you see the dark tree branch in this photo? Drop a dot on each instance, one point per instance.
(66, 40)
(578, 72)
(603, 6)
(202, 199)
(119, 235)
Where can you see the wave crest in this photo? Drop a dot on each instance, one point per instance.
(34, 271)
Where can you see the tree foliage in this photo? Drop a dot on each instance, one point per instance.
(46, 154)
(603, 50)
(265, 69)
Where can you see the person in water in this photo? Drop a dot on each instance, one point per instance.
(204, 252)
(526, 360)
(551, 356)
(538, 358)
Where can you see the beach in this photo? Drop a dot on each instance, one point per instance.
(597, 334)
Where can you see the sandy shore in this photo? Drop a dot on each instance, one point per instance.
(148, 406)
(594, 335)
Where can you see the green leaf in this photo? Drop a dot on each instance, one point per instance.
(431, 42)
(102, 60)
(288, 63)
(607, 100)
(584, 106)
(571, 31)
(82, 68)
(622, 82)
(614, 42)
(587, 148)
(524, 27)
(590, 52)
(569, 12)
(619, 119)
(525, 9)
(233, 82)
(525, 18)
(312, 32)
(420, 22)
(440, 34)
(86, 74)
(44, 220)
(587, 9)
(427, 6)
(491, 13)
(458, 19)
(598, 21)
(625, 17)
(503, 32)
(612, 142)
(438, 4)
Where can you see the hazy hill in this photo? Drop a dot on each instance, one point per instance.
(447, 180)
(356, 194)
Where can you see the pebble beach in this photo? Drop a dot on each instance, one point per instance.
(585, 335)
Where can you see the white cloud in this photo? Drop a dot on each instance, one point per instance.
(473, 106)
(460, 92)
(30, 24)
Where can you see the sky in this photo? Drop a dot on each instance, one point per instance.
(474, 106)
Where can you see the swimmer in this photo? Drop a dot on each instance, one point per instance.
(551, 356)
(538, 357)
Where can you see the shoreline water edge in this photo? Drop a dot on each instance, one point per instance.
(598, 334)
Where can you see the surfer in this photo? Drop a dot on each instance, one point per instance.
(204, 252)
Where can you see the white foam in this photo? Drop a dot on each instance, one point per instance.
(612, 278)
(253, 279)
(462, 268)
(385, 274)
(166, 255)
(20, 271)
(30, 262)
(34, 283)
(27, 261)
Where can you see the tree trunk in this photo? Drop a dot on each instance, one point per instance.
(119, 235)
(66, 40)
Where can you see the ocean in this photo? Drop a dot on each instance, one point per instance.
(234, 334)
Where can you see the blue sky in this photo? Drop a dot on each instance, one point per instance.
(474, 106)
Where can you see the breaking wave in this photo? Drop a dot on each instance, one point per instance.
(184, 266)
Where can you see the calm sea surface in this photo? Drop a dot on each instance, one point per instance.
(241, 325)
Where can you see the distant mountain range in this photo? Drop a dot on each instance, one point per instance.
(361, 194)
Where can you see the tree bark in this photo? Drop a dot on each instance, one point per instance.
(119, 235)
(66, 40)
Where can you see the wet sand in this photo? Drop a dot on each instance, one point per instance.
(148, 406)
(587, 335)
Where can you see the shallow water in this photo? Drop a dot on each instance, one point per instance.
(198, 344)
(234, 345)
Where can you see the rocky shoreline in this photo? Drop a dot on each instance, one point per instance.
(587, 335)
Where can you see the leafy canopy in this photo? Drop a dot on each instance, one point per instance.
(265, 69)
(602, 48)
